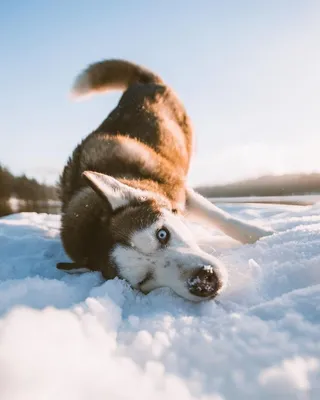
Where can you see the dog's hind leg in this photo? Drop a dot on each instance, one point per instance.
(204, 210)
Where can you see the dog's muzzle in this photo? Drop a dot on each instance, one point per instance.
(204, 282)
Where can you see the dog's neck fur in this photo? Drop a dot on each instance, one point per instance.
(85, 232)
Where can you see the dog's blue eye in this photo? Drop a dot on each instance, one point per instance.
(163, 235)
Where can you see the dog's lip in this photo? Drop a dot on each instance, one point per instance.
(147, 277)
(204, 298)
(197, 299)
(187, 295)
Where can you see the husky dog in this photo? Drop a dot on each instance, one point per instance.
(124, 192)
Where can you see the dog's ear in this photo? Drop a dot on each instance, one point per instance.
(117, 193)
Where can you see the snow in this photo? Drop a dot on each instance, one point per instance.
(76, 337)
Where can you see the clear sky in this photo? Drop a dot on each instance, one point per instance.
(247, 71)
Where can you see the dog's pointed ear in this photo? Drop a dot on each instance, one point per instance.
(117, 193)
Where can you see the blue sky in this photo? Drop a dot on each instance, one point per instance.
(247, 71)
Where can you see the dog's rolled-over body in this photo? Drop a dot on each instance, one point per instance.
(124, 193)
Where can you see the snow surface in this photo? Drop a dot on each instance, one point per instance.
(75, 337)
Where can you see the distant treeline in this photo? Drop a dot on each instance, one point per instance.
(283, 185)
(24, 188)
(27, 190)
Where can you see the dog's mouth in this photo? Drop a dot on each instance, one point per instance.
(147, 278)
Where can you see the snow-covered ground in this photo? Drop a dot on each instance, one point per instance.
(292, 199)
(75, 337)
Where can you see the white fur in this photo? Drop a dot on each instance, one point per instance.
(233, 227)
(172, 265)
(81, 86)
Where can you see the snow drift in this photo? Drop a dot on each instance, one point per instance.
(75, 337)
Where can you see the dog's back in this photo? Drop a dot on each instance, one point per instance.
(146, 139)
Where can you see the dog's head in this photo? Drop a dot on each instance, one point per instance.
(152, 246)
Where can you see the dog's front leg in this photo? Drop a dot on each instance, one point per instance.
(72, 268)
(202, 208)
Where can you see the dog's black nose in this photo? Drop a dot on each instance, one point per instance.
(204, 282)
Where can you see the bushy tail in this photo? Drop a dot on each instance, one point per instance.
(111, 75)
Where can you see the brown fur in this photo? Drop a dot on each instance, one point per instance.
(145, 142)
(113, 74)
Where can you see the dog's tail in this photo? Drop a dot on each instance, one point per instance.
(111, 75)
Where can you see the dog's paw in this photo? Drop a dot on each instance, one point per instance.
(72, 268)
(255, 233)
